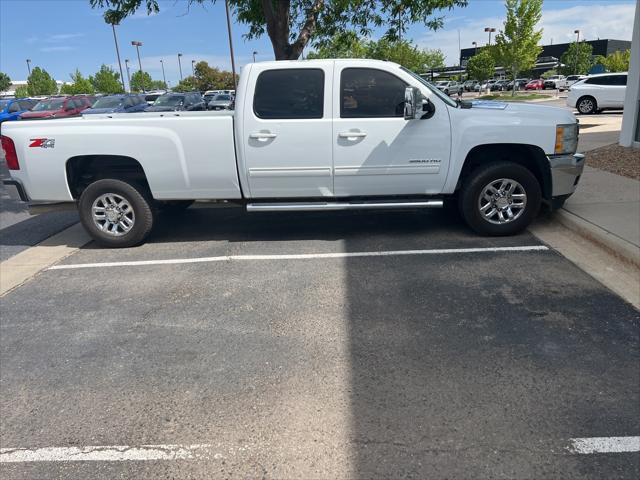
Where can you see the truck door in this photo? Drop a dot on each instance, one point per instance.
(287, 131)
(375, 150)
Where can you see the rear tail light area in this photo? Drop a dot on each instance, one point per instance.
(10, 153)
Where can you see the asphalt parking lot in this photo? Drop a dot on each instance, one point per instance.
(364, 345)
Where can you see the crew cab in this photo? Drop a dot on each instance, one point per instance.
(305, 136)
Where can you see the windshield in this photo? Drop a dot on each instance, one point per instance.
(221, 98)
(3, 104)
(50, 104)
(108, 102)
(432, 88)
(169, 100)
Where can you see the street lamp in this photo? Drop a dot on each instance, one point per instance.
(233, 62)
(126, 63)
(575, 61)
(193, 69)
(180, 65)
(115, 39)
(163, 77)
(29, 65)
(138, 45)
(490, 30)
(254, 56)
(475, 45)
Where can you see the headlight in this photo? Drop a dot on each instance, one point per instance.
(566, 138)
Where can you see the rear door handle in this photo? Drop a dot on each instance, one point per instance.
(262, 136)
(352, 134)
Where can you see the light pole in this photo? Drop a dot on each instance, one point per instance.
(126, 63)
(115, 40)
(29, 65)
(490, 30)
(193, 68)
(180, 65)
(575, 61)
(475, 45)
(233, 62)
(254, 56)
(138, 45)
(163, 76)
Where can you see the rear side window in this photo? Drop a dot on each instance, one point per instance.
(367, 92)
(619, 80)
(289, 93)
(606, 80)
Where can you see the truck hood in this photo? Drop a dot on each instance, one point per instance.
(524, 112)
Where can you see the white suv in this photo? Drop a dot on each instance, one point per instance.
(598, 92)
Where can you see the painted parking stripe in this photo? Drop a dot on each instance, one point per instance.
(301, 256)
(605, 445)
(113, 453)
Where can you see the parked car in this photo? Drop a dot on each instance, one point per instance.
(536, 84)
(552, 81)
(221, 102)
(128, 103)
(449, 87)
(152, 97)
(12, 108)
(500, 85)
(486, 85)
(469, 85)
(170, 102)
(570, 80)
(598, 92)
(58, 107)
(399, 142)
(520, 84)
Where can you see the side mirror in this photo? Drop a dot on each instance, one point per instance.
(410, 102)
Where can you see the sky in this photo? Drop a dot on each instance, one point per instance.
(62, 35)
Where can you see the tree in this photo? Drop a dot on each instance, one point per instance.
(292, 24)
(211, 78)
(158, 85)
(41, 83)
(516, 46)
(481, 67)
(21, 91)
(349, 45)
(5, 82)
(141, 81)
(106, 80)
(577, 59)
(616, 61)
(187, 84)
(78, 86)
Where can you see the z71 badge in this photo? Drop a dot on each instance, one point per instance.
(42, 142)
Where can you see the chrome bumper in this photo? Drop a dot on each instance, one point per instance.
(565, 173)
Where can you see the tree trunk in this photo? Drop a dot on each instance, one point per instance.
(513, 90)
(277, 19)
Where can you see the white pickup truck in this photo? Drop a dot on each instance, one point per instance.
(305, 136)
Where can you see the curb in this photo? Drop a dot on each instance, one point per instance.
(617, 246)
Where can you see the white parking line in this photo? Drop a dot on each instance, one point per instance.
(302, 256)
(114, 453)
(605, 445)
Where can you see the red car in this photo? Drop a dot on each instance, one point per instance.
(58, 107)
(535, 85)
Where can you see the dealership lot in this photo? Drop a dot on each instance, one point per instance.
(296, 345)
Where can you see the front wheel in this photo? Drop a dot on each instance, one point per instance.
(587, 105)
(116, 213)
(500, 198)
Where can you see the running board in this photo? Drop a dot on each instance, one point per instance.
(323, 206)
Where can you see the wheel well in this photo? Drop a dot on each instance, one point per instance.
(86, 169)
(529, 156)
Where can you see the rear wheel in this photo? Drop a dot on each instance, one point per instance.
(116, 213)
(500, 198)
(587, 105)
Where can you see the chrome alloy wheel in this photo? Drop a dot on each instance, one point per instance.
(586, 106)
(113, 214)
(502, 201)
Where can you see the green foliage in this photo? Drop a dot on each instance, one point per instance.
(141, 81)
(616, 61)
(211, 78)
(292, 24)
(78, 86)
(516, 47)
(5, 82)
(348, 45)
(22, 91)
(187, 84)
(41, 83)
(577, 59)
(482, 66)
(158, 85)
(549, 73)
(107, 80)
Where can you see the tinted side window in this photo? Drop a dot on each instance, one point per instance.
(366, 92)
(289, 93)
(606, 80)
(619, 80)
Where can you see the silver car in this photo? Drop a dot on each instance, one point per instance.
(222, 101)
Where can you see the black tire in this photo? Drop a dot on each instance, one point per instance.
(137, 197)
(479, 178)
(174, 206)
(587, 105)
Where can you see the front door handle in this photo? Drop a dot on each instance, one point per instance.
(352, 134)
(262, 136)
